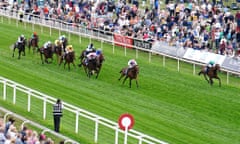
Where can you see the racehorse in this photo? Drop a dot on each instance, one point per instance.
(47, 53)
(33, 42)
(93, 66)
(20, 47)
(131, 74)
(212, 73)
(68, 58)
(58, 51)
(83, 55)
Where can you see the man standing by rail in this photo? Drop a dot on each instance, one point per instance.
(57, 114)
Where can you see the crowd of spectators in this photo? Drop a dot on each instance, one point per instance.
(198, 24)
(9, 134)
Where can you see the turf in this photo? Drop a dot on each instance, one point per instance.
(176, 107)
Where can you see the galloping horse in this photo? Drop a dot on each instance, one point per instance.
(47, 53)
(58, 50)
(20, 47)
(131, 74)
(33, 42)
(212, 73)
(69, 58)
(93, 66)
(83, 55)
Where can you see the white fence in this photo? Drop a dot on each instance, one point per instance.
(78, 112)
(26, 121)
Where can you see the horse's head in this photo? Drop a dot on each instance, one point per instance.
(217, 67)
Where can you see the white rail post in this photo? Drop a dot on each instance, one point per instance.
(227, 77)
(136, 53)
(14, 94)
(116, 135)
(194, 69)
(149, 56)
(77, 121)
(44, 107)
(80, 38)
(125, 50)
(16, 22)
(4, 90)
(69, 34)
(5, 117)
(102, 44)
(140, 140)
(164, 61)
(50, 30)
(178, 65)
(29, 100)
(96, 131)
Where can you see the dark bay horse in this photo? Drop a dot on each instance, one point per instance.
(131, 74)
(33, 42)
(83, 56)
(47, 53)
(20, 47)
(212, 73)
(58, 51)
(93, 66)
(68, 59)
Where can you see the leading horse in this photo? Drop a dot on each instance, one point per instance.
(132, 73)
(212, 73)
(20, 47)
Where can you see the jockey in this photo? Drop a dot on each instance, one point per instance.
(90, 56)
(47, 45)
(131, 64)
(210, 64)
(69, 48)
(90, 48)
(62, 38)
(21, 39)
(57, 42)
(34, 36)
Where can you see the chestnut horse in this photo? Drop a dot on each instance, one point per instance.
(131, 74)
(33, 42)
(212, 73)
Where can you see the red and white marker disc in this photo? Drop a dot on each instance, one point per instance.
(126, 121)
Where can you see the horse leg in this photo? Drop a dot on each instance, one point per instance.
(124, 79)
(13, 51)
(137, 83)
(64, 64)
(219, 81)
(19, 54)
(211, 81)
(41, 58)
(130, 83)
(206, 78)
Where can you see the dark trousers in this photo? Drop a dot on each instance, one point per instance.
(57, 120)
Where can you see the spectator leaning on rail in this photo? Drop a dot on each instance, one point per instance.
(57, 114)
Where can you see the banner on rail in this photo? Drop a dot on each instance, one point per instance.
(231, 64)
(123, 41)
(164, 48)
(142, 44)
